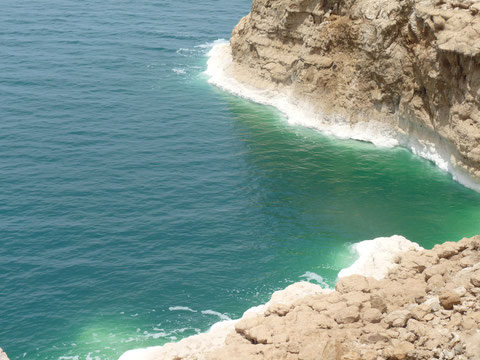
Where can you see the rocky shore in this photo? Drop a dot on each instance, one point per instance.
(427, 307)
(408, 70)
(393, 72)
(415, 304)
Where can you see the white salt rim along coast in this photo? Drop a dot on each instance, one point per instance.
(298, 112)
(375, 258)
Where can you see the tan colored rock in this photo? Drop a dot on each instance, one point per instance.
(448, 298)
(475, 279)
(279, 309)
(348, 315)
(438, 269)
(399, 350)
(372, 315)
(377, 302)
(435, 283)
(398, 318)
(446, 250)
(352, 283)
(420, 311)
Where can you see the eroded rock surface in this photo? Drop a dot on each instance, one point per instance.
(414, 65)
(427, 307)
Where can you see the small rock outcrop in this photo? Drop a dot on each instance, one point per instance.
(413, 65)
(427, 307)
(3, 356)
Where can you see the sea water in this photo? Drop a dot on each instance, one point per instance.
(139, 204)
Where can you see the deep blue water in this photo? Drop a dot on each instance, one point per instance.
(129, 186)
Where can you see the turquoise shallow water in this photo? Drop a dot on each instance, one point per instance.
(129, 187)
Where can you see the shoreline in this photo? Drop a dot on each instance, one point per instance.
(375, 258)
(419, 304)
(422, 142)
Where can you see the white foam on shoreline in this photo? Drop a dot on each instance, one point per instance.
(419, 141)
(375, 258)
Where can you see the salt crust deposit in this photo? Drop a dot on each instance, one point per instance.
(376, 256)
(220, 69)
(3, 356)
(371, 262)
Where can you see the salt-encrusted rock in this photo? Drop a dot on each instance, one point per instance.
(399, 350)
(392, 318)
(3, 355)
(404, 69)
(446, 250)
(377, 302)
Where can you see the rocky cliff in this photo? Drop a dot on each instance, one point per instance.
(412, 66)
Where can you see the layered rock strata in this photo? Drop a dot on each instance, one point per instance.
(412, 66)
(414, 304)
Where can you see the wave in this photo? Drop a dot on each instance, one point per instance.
(375, 258)
(179, 71)
(419, 140)
(311, 276)
(181, 308)
(216, 313)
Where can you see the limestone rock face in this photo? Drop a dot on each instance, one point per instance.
(411, 64)
(398, 317)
